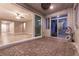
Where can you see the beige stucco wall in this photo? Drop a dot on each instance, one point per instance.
(69, 20)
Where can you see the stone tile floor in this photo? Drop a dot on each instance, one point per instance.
(41, 47)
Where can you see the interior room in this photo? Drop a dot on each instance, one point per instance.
(39, 29)
(12, 31)
(15, 25)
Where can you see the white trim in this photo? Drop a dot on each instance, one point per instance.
(17, 42)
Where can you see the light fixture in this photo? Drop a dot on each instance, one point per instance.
(45, 6)
(19, 16)
(51, 7)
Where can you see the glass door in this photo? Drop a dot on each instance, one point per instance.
(62, 25)
(58, 25)
(37, 25)
(53, 27)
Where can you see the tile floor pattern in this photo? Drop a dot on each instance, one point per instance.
(41, 47)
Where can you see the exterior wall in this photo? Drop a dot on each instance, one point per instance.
(69, 20)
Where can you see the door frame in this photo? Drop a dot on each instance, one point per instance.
(57, 24)
(33, 22)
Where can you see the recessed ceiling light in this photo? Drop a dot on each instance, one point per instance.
(51, 7)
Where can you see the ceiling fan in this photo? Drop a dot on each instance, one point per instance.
(45, 6)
